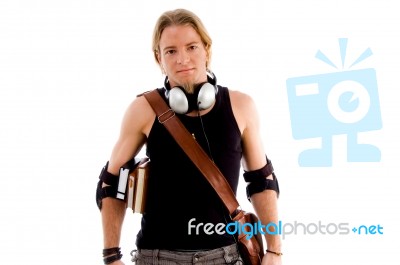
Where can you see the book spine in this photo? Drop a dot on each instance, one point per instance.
(131, 191)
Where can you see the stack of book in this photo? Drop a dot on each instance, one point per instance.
(137, 186)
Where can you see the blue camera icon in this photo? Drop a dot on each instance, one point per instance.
(330, 104)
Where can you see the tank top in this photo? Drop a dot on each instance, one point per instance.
(177, 192)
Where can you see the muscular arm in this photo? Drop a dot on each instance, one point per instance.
(264, 203)
(135, 127)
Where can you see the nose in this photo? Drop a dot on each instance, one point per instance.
(183, 57)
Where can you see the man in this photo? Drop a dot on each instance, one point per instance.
(227, 127)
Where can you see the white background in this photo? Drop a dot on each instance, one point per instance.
(68, 70)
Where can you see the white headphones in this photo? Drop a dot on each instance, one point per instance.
(203, 97)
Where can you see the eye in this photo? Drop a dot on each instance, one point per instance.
(192, 47)
(169, 52)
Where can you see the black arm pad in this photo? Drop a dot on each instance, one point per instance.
(255, 175)
(113, 181)
(107, 177)
(108, 191)
(258, 182)
(261, 185)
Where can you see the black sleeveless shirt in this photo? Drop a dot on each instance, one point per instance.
(178, 192)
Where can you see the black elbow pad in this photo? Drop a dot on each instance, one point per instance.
(108, 191)
(258, 182)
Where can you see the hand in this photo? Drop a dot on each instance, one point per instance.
(271, 259)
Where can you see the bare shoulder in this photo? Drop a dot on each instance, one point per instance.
(240, 99)
(140, 103)
(139, 115)
(243, 107)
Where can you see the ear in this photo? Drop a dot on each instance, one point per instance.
(158, 60)
(208, 55)
(158, 57)
(162, 70)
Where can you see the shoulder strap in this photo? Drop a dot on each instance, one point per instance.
(193, 150)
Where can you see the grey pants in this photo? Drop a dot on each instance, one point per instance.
(224, 255)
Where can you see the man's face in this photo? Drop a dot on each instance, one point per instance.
(183, 56)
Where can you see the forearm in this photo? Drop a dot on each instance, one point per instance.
(266, 207)
(112, 213)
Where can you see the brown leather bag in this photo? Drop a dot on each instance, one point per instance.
(251, 250)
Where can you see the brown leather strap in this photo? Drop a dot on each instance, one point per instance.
(193, 150)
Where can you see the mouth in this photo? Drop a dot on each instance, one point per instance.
(187, 70)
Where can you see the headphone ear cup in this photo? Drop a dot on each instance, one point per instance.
(206, 96)
(178, 101)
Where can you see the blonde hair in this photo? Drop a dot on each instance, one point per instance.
(180, 17)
